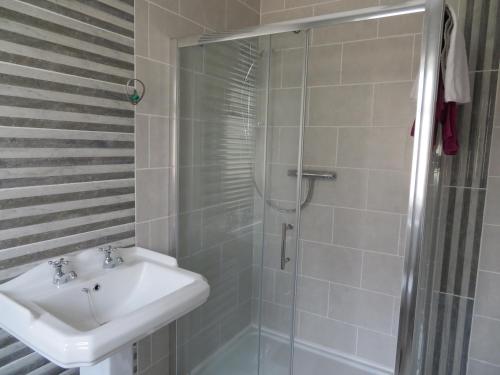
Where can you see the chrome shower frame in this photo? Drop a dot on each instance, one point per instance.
(409, 337)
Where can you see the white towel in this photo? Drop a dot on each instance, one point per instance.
(454, 65)
(456, 78)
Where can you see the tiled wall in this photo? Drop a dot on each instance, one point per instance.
(352, 234)
(157, 23)
(464, 290)
(485, 48)
(66, 138)
(66, 123)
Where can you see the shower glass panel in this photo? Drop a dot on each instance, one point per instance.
(295, 157)
(219, 223)
(358, 122)
(281, 205)
(239, 136)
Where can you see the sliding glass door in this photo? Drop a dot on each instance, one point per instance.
(295, 170)
(281, 199)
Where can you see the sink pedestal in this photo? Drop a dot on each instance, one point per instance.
(120, 363)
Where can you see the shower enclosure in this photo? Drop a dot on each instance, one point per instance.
(294, 170)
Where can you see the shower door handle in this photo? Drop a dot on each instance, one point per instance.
(284, 259)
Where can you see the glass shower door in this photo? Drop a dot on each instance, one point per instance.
(280, 200)
(240, 118)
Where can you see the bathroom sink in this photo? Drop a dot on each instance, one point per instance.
(86, 320)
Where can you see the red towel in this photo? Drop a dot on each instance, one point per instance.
(446, 115)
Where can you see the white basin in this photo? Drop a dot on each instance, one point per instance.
(73, 328)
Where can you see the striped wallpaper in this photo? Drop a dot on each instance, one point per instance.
(66, 138)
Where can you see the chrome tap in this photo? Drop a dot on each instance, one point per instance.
(60, 277)
(109, 260)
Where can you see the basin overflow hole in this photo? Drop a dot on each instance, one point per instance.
(95, 288)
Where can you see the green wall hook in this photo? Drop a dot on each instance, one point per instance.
(135, 96)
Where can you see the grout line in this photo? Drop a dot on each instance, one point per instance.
(413, 67)
(485, 362)
(177, 14)
(361, 270)
(487, 317)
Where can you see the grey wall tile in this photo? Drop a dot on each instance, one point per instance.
(141, 22)
(494, 169)
(492, 215)
(177, 26)
(285, 15)
(407, 24)
(392, 104)
(344, 32)
(276, 317)
(141, 141)
(387, 60)
(199, 348)
(382, 273)
(237, 254)
(485, 339)
(326, 332)
(388, 191)
(268, 283)
(348, 190)
(368, 230)
(340, 105)
(490, 256)
(158, 37)
(142, 234)
(189, 232)
(312, 294)
(316, 223)
(381, 148)
(237, 321)
(285, 107)
(172, 5)
(210, 13)
(159, 142)
(240, 16)
(487, 297)
(324, 65)
(272, 5)
(160, 368)
(360, 307)
(320, 146)
(207, 262)
(156, 77)
(162, 236)
(245, 286)
(292, 64)
(332, 263)
(152, 193)
(377, 347)
(288, 138)
(481, 368)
